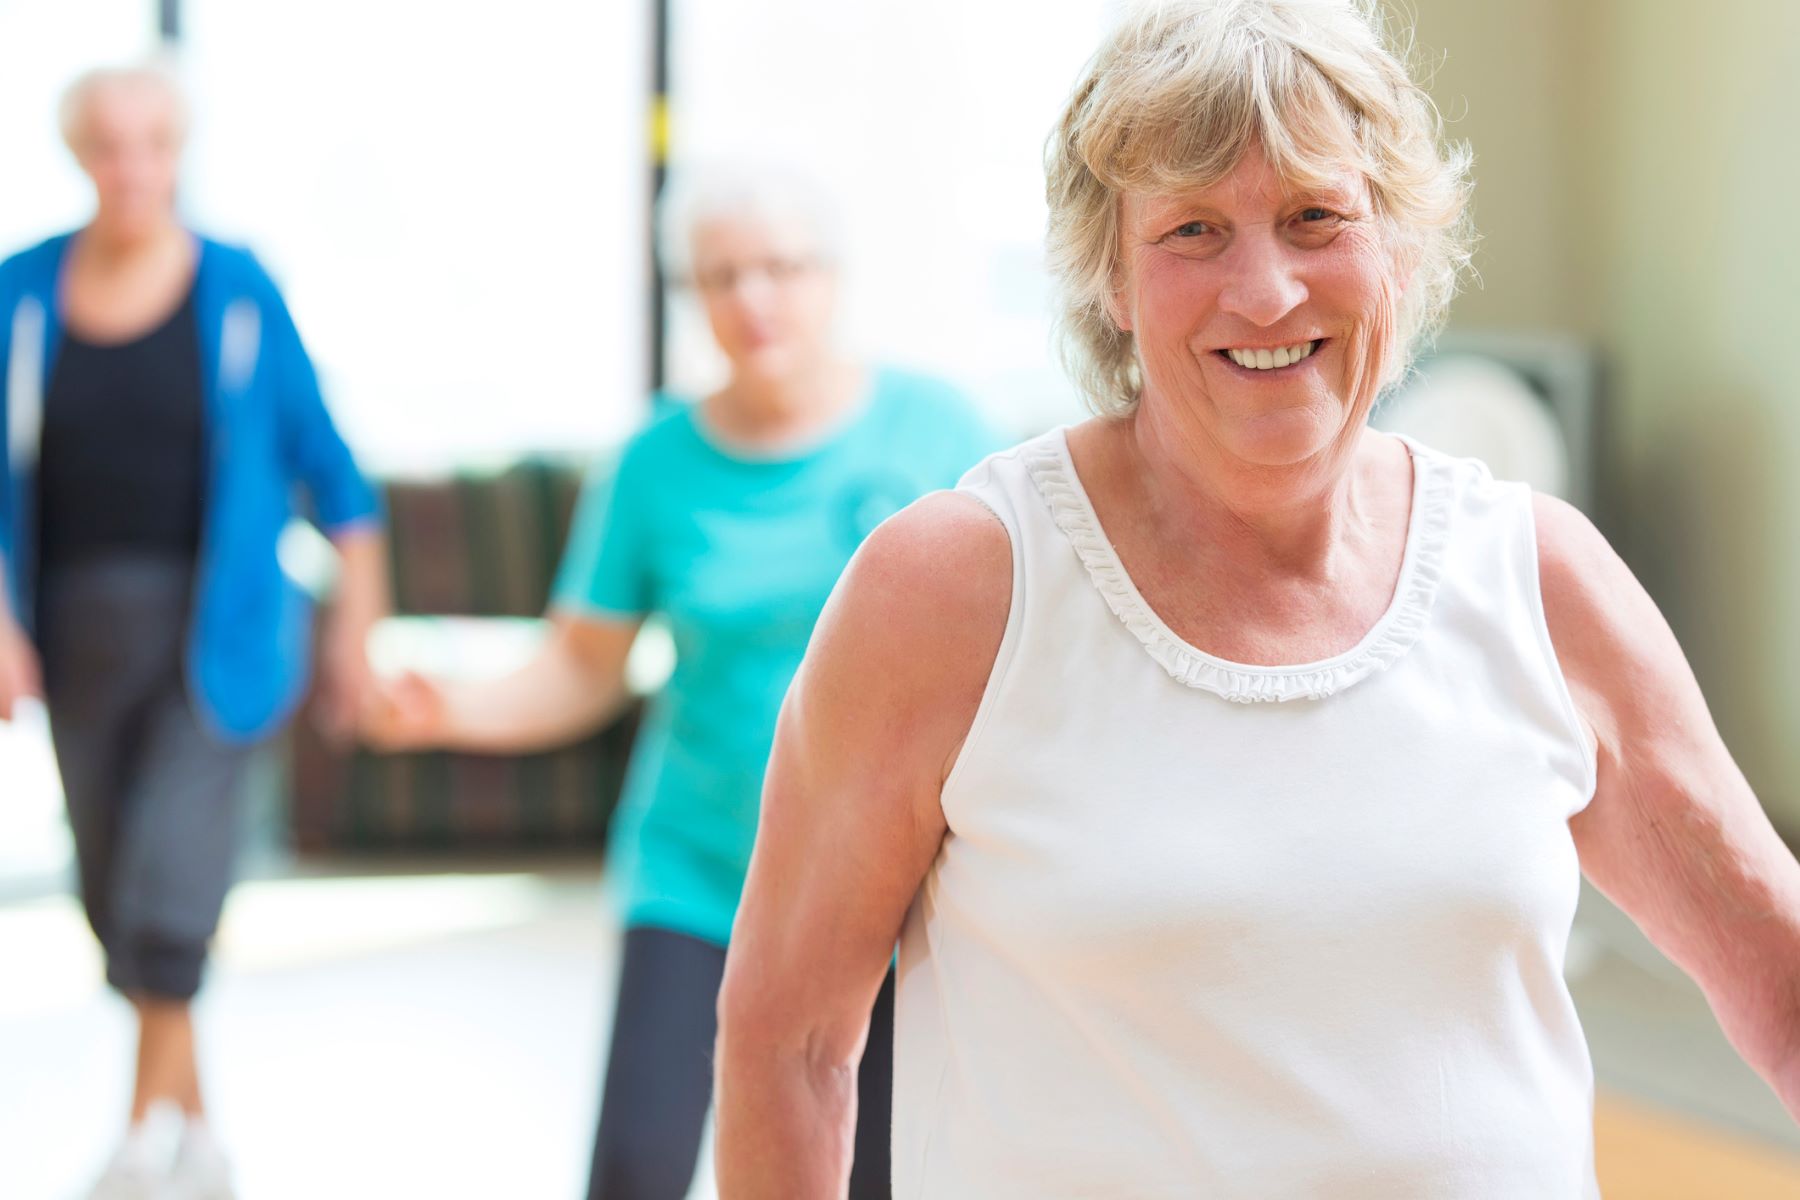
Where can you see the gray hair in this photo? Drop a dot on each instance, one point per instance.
(156, 73)
(693, 197)
(1172, 101)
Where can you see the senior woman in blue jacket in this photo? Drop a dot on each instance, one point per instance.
(159, 411)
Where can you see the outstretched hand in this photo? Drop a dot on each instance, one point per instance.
(20, 676)
(405, 712)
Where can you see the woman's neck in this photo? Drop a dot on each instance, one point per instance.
(1293, 519)
(116, 245)
(772, 411)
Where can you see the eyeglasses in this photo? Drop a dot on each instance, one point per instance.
(723, 279)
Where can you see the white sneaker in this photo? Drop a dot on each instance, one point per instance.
(126, 1178)
(202, 1171)
(140, 1168)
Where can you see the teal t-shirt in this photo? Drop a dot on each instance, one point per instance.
(738, 555)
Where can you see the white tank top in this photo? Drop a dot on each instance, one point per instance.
(1177, 944)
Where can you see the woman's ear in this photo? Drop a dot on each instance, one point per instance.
(1114, 301)
(1403, 258)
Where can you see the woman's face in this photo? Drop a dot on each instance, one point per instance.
(129, 144)
(768, 296)
(1219, 286)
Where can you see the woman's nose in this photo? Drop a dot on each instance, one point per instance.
(752, 290)
(1263, 282)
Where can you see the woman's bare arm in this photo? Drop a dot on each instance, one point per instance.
(850, 824)
(346, 685)
(1674, 834)
(569, 688)
(19, 672)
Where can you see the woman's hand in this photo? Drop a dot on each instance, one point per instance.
(406, 712)
(19, 673)
(346, 687)
(346, 681)
(569, 688)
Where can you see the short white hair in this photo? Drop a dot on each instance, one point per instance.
(155, 74)
(1179, 93)
(771, 192)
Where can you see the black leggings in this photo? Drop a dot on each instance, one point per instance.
(659, 1075)
(152, 795)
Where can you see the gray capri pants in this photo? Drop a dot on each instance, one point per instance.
(152, 796)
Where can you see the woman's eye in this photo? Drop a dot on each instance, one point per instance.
(1191, 229)
(1315, 214)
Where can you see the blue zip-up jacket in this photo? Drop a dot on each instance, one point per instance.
(249, 644)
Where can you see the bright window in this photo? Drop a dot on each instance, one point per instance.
(452, 196)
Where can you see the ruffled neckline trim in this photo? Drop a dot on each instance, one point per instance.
(1052, 470)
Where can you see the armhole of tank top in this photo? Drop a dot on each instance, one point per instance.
(1003, 658)
(1541, 627)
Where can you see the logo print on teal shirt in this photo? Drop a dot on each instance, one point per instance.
(867, 502)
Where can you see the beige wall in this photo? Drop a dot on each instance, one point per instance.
(1637, 181)
(1493, 70)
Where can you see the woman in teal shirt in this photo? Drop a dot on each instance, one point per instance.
(730, 517)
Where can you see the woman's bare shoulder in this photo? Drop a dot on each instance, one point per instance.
(1629, 676)
(1586, 587)
(937, 576)
(903, 652)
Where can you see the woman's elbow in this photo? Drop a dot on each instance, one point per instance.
(767, 1031)
(749, 1024)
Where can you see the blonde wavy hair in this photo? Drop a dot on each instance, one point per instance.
(1175, 97)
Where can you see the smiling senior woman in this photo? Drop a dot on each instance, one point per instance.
(1224, 767)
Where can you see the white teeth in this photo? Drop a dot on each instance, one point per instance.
(1269, 360)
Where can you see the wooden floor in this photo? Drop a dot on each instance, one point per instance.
(1646, 1154)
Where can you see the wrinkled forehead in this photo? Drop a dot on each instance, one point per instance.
(1252, 185)
(748, 234)
(126, 108)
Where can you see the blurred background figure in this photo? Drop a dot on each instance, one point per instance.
(730, 516)
(159, 407)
